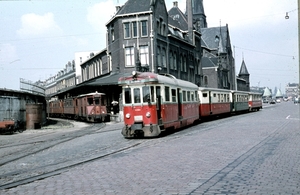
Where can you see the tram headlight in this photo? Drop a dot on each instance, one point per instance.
(148, 114)
(133, 73)
(127, 115)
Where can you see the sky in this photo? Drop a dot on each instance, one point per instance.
(39, 37)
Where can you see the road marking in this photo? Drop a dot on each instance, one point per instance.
(289, 118)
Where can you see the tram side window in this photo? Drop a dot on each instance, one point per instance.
(167, 94)
(173, 95)
(204, 95)
(188, 96)
(184, 96)
(137, 95)
(127, 93)
(192, 96)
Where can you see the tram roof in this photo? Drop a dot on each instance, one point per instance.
(92, 94)
(148, 77)
(213, 89)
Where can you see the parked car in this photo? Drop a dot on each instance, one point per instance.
(278, 101)
(265, 101)
(296, 101)
(273, 101)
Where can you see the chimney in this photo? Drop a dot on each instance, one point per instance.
(190, 19)
(175, 4)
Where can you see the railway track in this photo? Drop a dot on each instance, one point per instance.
(58, 170)
(14, 172)
(40, 145)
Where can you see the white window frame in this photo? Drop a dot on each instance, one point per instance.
(129, 57)
(144, 55)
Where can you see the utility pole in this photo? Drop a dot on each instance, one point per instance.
(298, 43)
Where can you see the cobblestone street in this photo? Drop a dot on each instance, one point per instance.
(254, 153)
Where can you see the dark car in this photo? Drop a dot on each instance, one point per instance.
(273, 101)
(265, 101)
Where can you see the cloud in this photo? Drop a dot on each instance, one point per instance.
(99, 14)
(38, 25)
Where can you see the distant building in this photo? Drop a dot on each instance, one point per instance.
(81, 57)
(243, 78)
(278, 94)
(62, 81)
(217, 61)
(257, 89)
(267, 93)
(292, 90)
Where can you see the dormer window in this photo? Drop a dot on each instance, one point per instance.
(217, 39)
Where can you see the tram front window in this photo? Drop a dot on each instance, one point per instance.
(90, 101)
(143, 94)
(97, 101)
(137, 95)
(148, 94)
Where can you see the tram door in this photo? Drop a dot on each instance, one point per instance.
(158, 104)
(179, 100)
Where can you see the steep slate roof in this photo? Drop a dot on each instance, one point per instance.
(134, 6)
(278, 93)
(209, 36)
(198, 7)
(209, 62)
(243, 70)
(267, 92)
(177, 18)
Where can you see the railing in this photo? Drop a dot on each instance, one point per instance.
(29, 86)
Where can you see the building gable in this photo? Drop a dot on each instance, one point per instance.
(177, 18)
(134, 6)
(213, 37)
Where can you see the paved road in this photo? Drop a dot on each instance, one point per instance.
(254, 153)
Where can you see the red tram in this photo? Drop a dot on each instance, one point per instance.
(89, 107)
(214, 101)
(255, 101)
(153, 103)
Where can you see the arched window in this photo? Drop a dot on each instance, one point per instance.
(171, 60)
(205, 81)
(175, 62)
(184, 64)
(181, 63)
(158, 57)
(164, 59)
